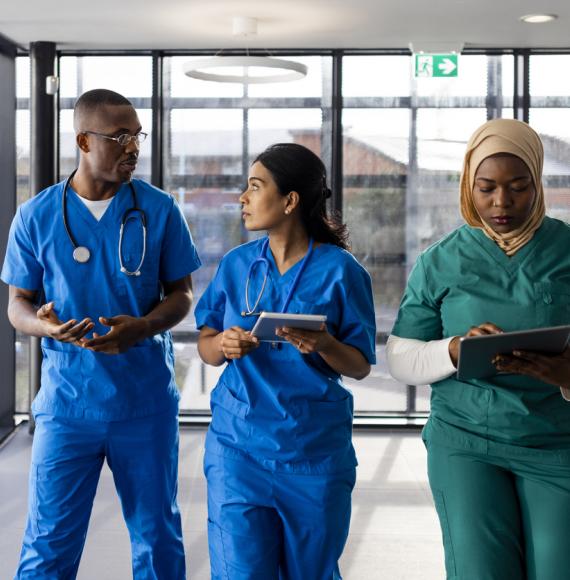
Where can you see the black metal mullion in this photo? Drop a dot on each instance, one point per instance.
(157, 138)
(336, 134)
(521, 94)
(7, 210)
(42, 158)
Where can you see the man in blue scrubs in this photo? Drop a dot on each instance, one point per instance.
(99, 267)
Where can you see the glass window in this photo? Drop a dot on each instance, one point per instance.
(547, 76)
(549, 115)
(268, 126)
(554, 130)
(130, 76)
(401, 165)
(477, 76)
(309, 86)
(23, 194)
(403, 145)
(212, 132)
(376, 76)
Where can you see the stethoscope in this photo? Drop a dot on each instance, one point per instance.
(262, 259)
(81, 254)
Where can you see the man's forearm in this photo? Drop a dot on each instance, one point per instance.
(172, 310)
(22, 314)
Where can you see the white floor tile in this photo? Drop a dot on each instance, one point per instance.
(394, 531)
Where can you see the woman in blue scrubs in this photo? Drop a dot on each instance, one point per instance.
(279, 460)
(498, 448)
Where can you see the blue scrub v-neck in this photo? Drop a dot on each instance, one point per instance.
(108, 218)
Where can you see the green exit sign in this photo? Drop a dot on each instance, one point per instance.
(436, 65)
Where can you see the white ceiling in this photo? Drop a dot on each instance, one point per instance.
(207, 24)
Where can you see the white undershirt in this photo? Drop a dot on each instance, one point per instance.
(417, 362)
(96, 207)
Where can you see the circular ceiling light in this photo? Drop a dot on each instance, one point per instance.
(538, 18)
(245, 69)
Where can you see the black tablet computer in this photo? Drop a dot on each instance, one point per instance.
(477, 352)
(268, 322)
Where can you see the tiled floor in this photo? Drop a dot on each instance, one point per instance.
(394, 531)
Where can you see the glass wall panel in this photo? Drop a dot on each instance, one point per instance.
(23, 194)
(403, 146)
(548, 77)
(178, 84)
(376, 76)
(554, 130)
(550, 115)
(318, 72)
(268, 126)
(130, 76)
(212, 132)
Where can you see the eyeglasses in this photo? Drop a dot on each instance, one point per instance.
(124, 139)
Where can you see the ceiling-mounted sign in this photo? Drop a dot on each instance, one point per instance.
(436, 65)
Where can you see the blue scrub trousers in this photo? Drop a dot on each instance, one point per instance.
(501, 518)
(267, 525)
(67, 457)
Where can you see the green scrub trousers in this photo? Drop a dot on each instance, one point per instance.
(501, 519)
(498, 449)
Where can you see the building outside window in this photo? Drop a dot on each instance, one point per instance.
(403, 141)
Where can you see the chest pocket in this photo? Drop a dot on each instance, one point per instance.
(553, 302)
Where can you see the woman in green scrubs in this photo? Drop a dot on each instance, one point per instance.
(498, 449)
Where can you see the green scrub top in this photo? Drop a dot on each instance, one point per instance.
(464, 280)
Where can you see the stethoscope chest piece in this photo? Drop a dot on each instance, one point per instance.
(81, 254)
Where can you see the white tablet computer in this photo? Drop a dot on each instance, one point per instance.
(477, 352)
(268, 322)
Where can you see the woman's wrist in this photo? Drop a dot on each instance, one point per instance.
(453, 349)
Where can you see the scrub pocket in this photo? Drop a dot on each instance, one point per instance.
(553, 303)
(62, 371)
(144, 289)
(229, 415)
(325, 427)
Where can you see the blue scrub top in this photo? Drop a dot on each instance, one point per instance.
(80, 383)
(288, 411)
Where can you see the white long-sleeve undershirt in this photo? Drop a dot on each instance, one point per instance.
(417, 362)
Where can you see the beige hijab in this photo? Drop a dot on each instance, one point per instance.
(516, 138)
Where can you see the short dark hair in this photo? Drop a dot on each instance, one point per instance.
(296, 168)
(94, 99)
